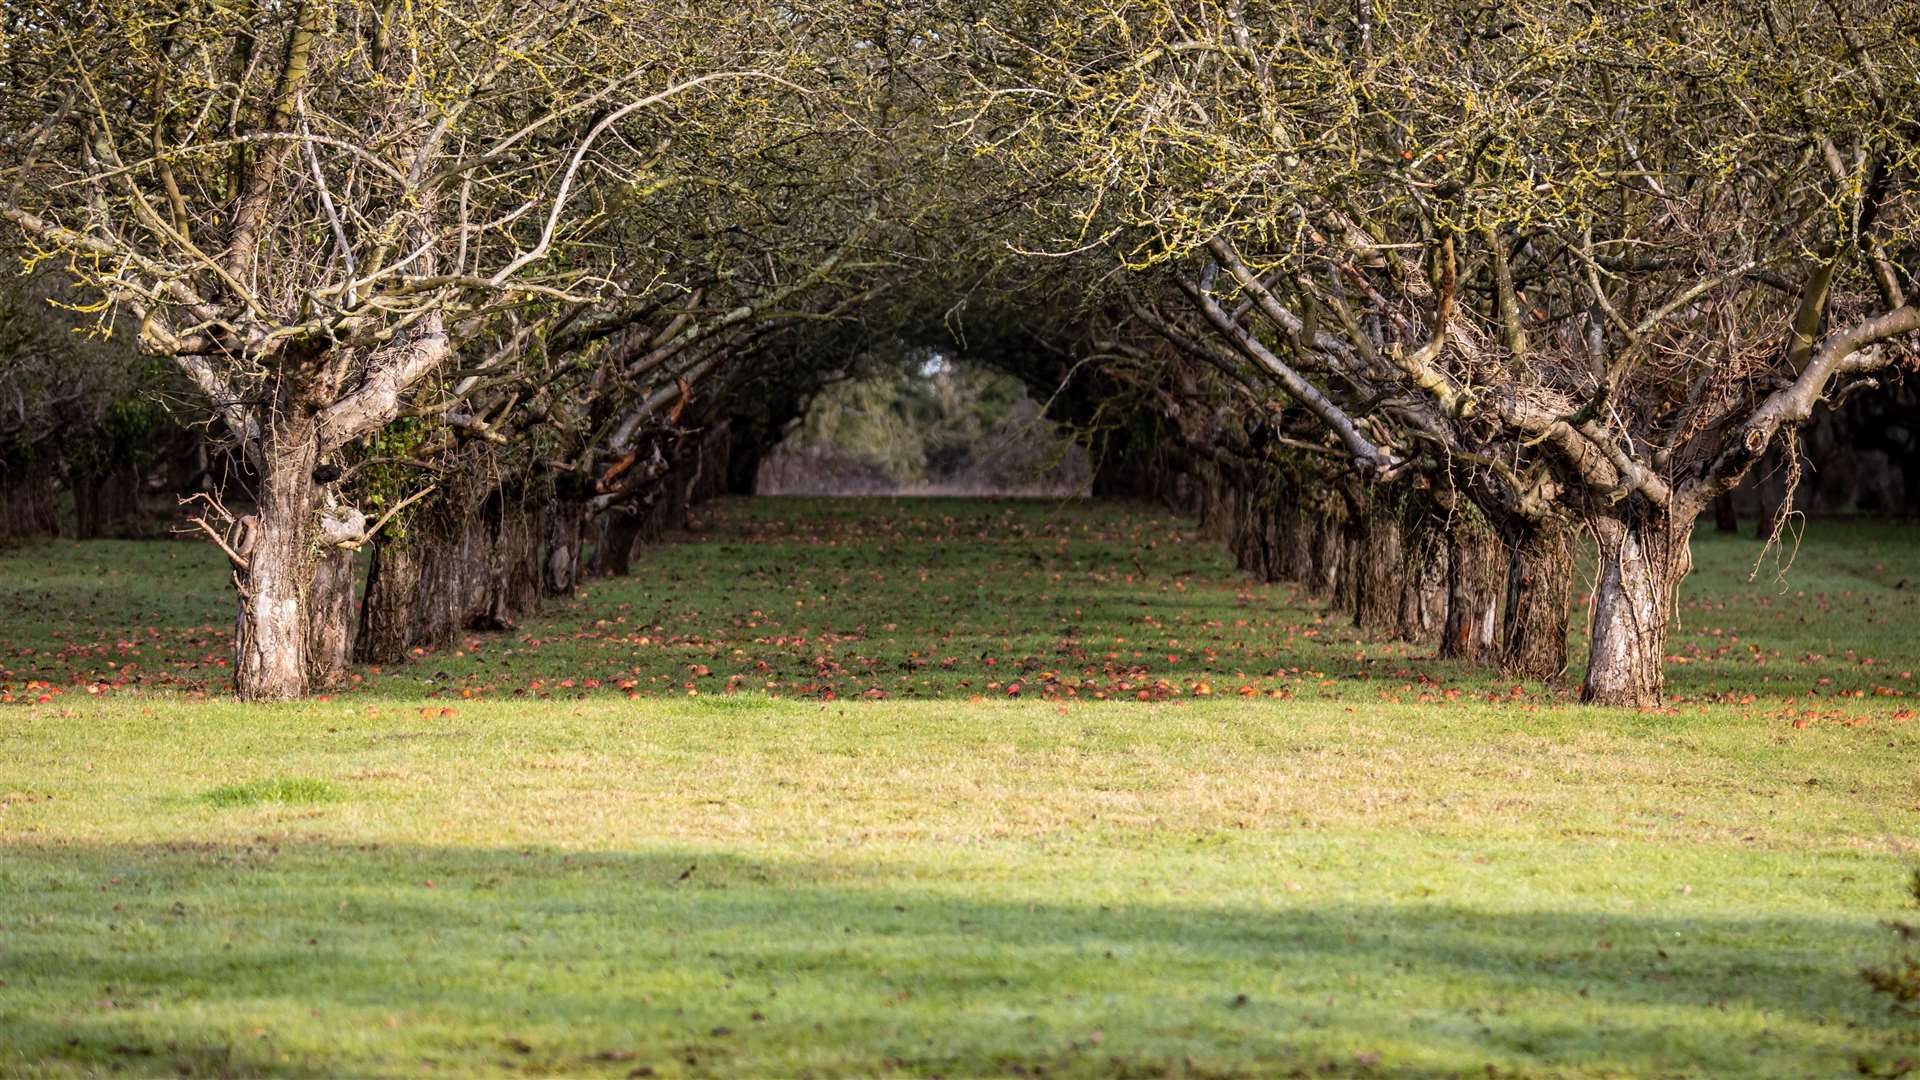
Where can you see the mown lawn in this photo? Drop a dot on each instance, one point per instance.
(773, 807)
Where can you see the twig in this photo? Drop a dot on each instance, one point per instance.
(401, 505)
(238, 560)
(326, 200)
(212, 504)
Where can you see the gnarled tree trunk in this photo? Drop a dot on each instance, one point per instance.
(1296, 543)
(1353, 542)
(386, 612)
(620, 530)
(1262, 533)
(1539, 600)
(1423, 578)
(1328, 546)
(1378, 574)
(565, 528)
(479, 561)
(443, 550)
(514, 571)
(270, 640)
(1476, 585)
(1643, 554)
(330, 622)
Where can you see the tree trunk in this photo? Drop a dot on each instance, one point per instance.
(26, 502)
(1724, 518)
(105, 501)
(386, 612)
(1234, 527)
(751, 442)
(565, 523)
(330, 620)
(716, 457)
(1346, 588)
(1259, 536)
(1378, 575)
(442, 553)
(1328, 546)
(270, 637)
(87, 524)
(479, 565)
(1642, 556)
(1217, 502)
(514, 571)
(1293, 535)
(1296, 542)
(1539, 600)
(619, 532)
(1423, 579)
(1476, 583)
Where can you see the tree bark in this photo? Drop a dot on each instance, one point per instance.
(565, 524)
(1296, 541)
(270, 641)
(1423, 579)
(1328, 547)
(330, 623)
(442, 551)
(1258, 538)
(26, 503)
(1347, 588)
(1378, 575)
(1476, 584)
(1229, 519)
(1539, 600)
(479, 564)
(1219, 503)
(514, 572)
(619, 532)
(1643, 555)
(386, 612)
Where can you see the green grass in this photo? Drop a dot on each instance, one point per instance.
(277, 790)
(1396, 867)
(959, 598)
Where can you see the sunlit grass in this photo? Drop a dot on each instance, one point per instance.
(951, 880)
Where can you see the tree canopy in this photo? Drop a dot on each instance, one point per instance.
(1473, 274)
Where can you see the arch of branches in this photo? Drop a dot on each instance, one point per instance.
(485, 285)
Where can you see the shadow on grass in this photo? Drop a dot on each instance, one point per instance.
(311, 959)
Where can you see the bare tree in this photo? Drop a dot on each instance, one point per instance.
(313, 208)
(1592, 267)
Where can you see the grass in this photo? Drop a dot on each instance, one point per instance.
(950, 598)
(1371, 864)
(278, 790)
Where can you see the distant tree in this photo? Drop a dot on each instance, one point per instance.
(77, 407)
